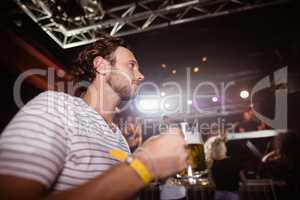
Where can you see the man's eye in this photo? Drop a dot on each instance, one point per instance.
(132, 65)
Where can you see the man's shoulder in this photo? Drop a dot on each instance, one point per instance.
(53, 98)
(49, 102)
(52, 94)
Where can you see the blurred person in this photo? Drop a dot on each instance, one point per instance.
(251, 150)
(165, 123)
(223, 170)
(133, 132)
(58, 146)
(283, 161)
(248, 123)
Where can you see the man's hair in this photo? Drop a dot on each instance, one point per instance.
(83, 68)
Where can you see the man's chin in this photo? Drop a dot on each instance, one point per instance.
(126, 94)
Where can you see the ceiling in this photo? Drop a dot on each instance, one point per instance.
(72, 23)
(258, 40)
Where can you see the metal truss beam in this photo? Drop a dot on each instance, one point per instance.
(129, 19)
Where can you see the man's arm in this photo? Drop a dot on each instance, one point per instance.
(168, 156)
(121, 182)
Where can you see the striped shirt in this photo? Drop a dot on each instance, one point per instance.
(59, 141)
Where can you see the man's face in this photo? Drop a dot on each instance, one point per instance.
(125, 75)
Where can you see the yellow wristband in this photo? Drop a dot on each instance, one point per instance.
(141, 170)
(135, 164)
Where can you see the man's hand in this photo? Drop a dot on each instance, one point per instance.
(164, 155)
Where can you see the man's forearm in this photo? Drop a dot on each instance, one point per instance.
(119, 183)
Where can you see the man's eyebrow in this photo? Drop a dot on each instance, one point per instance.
(135, 62)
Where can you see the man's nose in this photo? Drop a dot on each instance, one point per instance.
(140, 76)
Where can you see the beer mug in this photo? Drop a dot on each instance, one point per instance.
(196, 156)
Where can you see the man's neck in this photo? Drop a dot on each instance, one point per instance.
(103, 99)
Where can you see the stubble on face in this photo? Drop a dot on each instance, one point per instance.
(121, 85)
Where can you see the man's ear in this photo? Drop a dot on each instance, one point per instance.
(98, 63)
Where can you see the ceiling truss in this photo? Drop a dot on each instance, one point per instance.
(143, 15)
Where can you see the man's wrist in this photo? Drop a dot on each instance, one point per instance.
(145, 161)
(141, 171)
(138, 182)
(138, 163)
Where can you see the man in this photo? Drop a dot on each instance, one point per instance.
(250, 150)
(250, 123)
(57, 146)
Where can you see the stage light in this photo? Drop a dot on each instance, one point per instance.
(189, 102)
(92, 8)
(196, 69)
(244, 94)
(148, 105)
(174, 71)
(214, 99)
(163, 65)
(167, 105)
(204, 59)
(162, 94)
